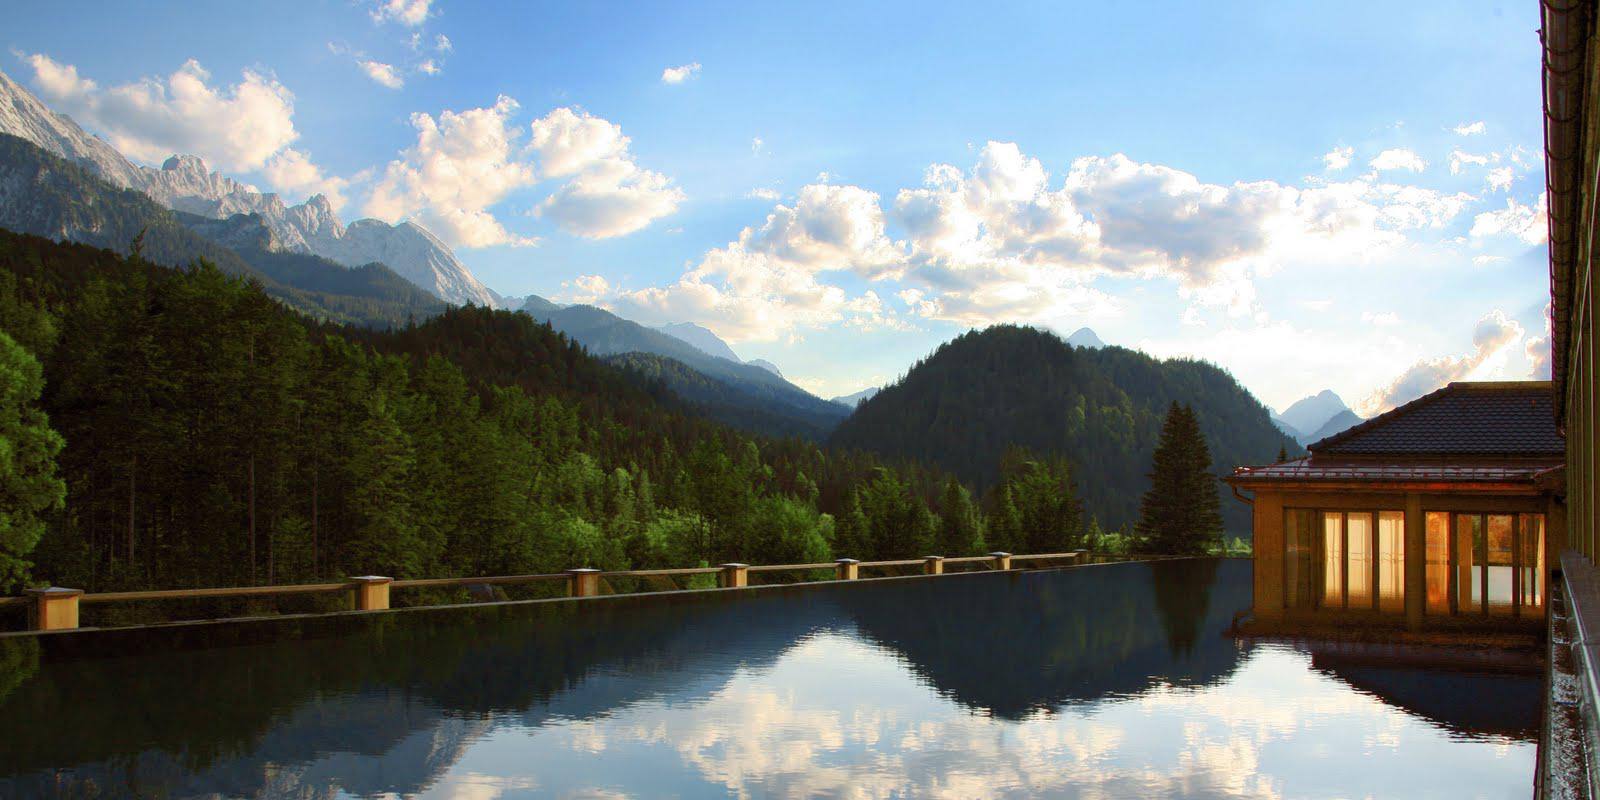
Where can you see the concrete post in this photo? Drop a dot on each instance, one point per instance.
(734, 576)
(372, 592)
(933, 565)
(845, 569)
(583, 582)
(54, 608)
(1001, 560)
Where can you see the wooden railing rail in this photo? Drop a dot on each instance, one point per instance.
(56, 608)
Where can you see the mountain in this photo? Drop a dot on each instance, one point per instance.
(1084, 337)
(1342, 420)
(741, 405)
(853, 400)
(1102, 409)
(702, 339)
(1309, 414)
(538, 307)
(44, 195)
(748, 387)
(766, 365)
(184, 183)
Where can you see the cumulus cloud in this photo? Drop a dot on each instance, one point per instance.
(1469, 129)
(763, 193)
(608, 194)
(1526, 222)
(676, 75)
(1338, 158)
(586, 289)
(235, 128)
(765, 285)
(1398, 158)
(410, 13)
(1459, 159)
(1538, 352)
(292, 171)
(1492, 338)
(465, 162)
(1500, 179)
(383, 74)
(462, 163)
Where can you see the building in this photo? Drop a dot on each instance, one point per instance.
(1448, 507)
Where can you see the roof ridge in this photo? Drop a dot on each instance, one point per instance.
(1480, 388)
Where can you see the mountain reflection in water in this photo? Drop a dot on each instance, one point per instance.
(1111, 680)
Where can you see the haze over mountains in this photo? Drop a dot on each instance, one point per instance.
(1316, 417)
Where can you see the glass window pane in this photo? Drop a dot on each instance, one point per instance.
(1531, 562)
(1469, 561)
(1500, 551)
(1438, 562)
(1299, 531)
(1332, 560)
(1358, 544)
(1392, 561)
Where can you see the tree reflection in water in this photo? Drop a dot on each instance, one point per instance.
(389, 703)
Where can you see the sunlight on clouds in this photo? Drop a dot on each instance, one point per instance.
(1338, 158)
(1492, 339)
(1469, 129)
(409, 13)
(234, 128)
(1526, 222)
(382, 74)
(291, 171)
(676, 75)
(608, 194)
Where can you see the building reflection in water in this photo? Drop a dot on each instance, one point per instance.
(1114, 680)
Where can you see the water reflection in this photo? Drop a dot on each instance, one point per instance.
(1109, 681)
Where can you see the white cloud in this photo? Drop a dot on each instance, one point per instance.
(1491, 339)
(586, 289)
(1460, 159)
(1338, 158)
(1537, 351)
(442, 44)
(383, 74)
(409, 13)
(1380, 319)
(676, 75)
(1526, 222)
(756, 145)
(1483, 261)
(1469, 129)
(763, 193)
(236, 128)
(1398, 158)
(608, 194)
(428, 67)
(462, 163)
(1500, 179)
(291, 171)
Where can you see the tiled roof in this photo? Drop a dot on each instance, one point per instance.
(1316, 469)
(1506, 418)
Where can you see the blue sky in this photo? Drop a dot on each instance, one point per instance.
(1168, 175)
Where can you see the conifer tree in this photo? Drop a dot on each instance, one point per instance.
(960, 530)
(1181, 512)
(28, 448)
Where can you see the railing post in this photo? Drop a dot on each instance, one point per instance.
(583, 582)
(933, 565)
(734, 576)
(1080, 556)
(372, 592)
(845, 569)
(1001, 560)
(54, 608)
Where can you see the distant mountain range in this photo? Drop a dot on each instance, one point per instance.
(853, 400)
(1084, 337)
(185, 184)
(1316, 417)
(1101, 408)
(747, 395)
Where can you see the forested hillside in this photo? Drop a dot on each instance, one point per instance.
(1099, 408)
(48, 196)
(214, 437)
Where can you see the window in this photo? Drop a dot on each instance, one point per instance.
(1530, 562)
(1358, 561)
(1437, 566)
(1299, 548)
(1469, 563)
(1392, 561)
(1500, 565)
(1333, 561)
(1496, 563)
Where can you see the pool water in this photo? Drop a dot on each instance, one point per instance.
(1105, 681)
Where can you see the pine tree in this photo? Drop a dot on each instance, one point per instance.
(960, 529)
(28, 448)
(1181, 513)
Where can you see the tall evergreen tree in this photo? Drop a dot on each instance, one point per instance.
(1181, 513)
(960, 528)
(28, 447)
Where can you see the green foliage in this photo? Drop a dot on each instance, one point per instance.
(1099, 409)
(960, 525)
(1180, 512)
(28, 447)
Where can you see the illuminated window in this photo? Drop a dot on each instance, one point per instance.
(1437, 566)
(1392, 561)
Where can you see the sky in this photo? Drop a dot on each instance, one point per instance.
(1345, 196)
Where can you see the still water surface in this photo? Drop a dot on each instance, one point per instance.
(1107, 681)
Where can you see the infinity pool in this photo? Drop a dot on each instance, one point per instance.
(1097, 682)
